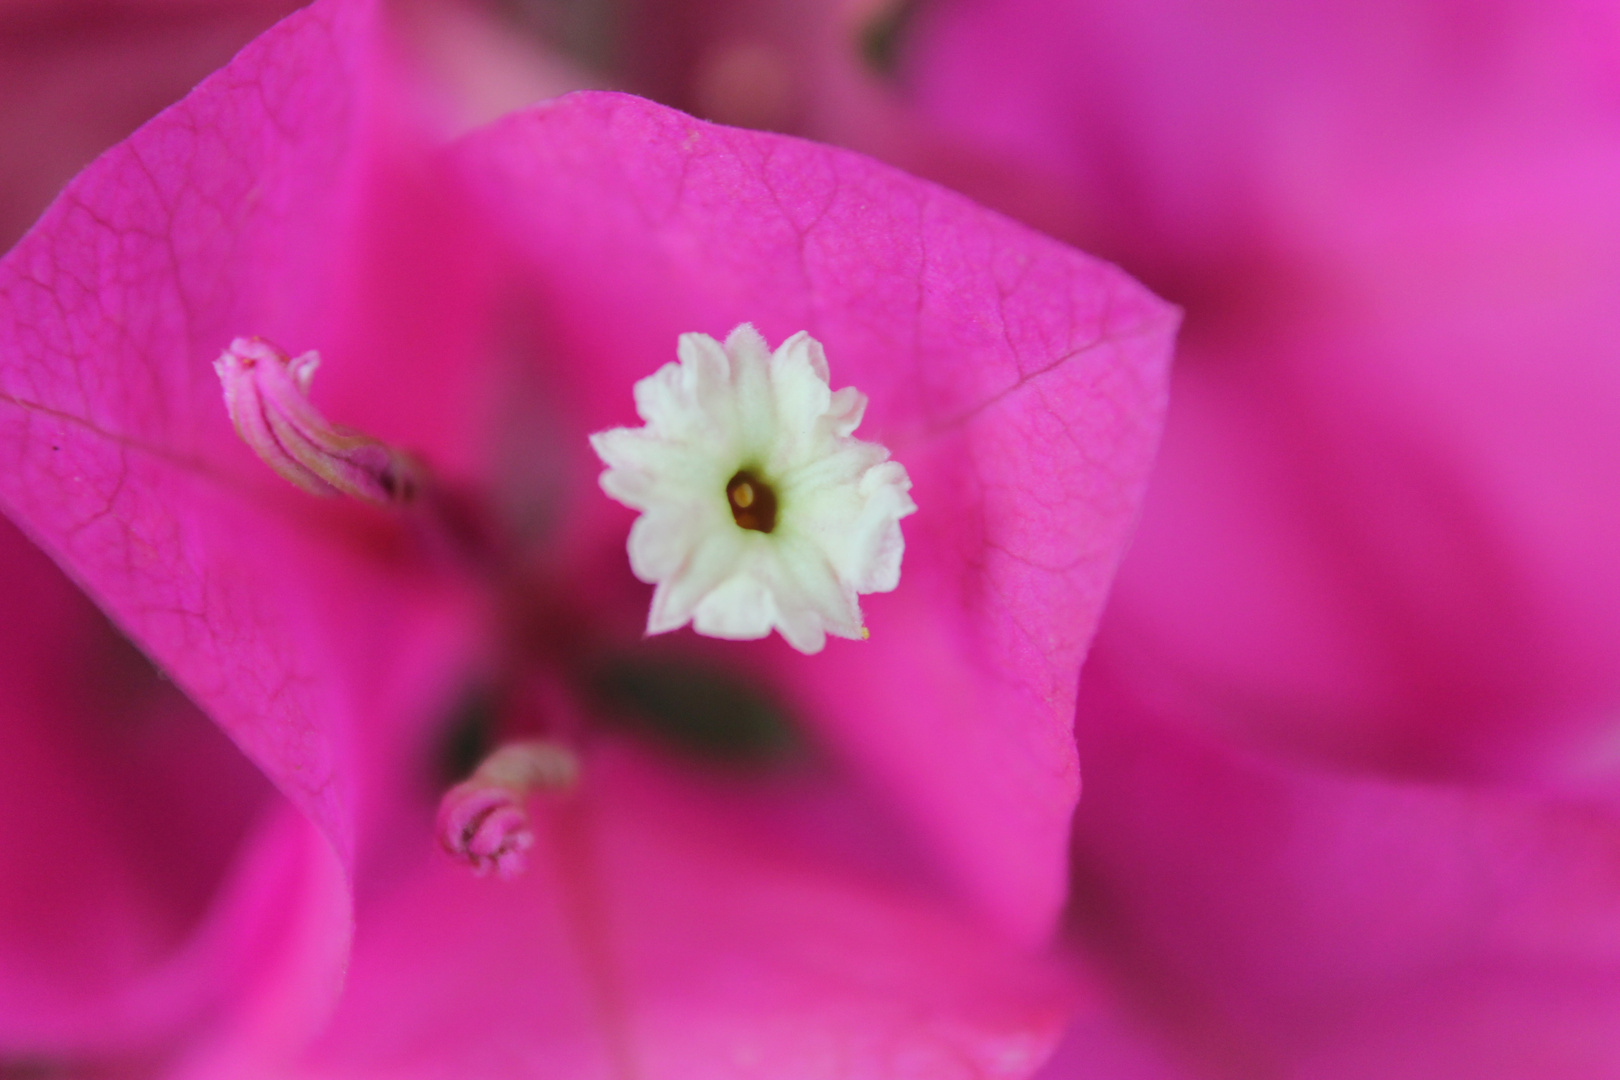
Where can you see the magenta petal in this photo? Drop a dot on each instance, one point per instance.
(149, 875)
(1382, 526)
(1020, 383)
(665, 929)
(1104, 1043)
(76, 76)
(1275, 920)
(122, 809)
(254, 206)
(283, 983)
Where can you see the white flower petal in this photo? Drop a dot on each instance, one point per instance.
(845, 410)
(741, 608)
(709, 564)
(808, 575)
(661, 543)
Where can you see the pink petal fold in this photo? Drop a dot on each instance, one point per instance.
(1273, 920)
(1382, 525)
(148, 871)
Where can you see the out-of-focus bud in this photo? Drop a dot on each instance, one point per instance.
(484, 820)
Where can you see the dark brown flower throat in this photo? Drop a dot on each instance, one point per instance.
(753, 503)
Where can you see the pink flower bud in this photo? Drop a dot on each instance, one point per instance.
(267, 396)
(484, 820)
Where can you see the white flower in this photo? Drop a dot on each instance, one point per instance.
(758, 508)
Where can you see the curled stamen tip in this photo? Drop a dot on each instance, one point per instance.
(484, 820)
(267, 397)
(487, 828)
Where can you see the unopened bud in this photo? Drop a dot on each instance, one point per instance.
(484, 820)
(267, 396)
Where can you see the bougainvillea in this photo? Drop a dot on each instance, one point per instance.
(767, 860)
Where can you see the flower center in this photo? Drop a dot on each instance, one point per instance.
(753, 503)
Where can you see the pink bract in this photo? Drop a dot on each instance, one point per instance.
(1349, 725)
(485, 306)
(1380, 528)
(1263, 918)
(150, 879)
(76, 76)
